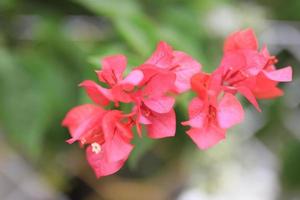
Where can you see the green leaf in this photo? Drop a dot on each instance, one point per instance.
(112, 8)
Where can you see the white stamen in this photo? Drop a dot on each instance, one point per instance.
(96, 148)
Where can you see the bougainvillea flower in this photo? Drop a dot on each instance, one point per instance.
(177, 62)
(151, 88)
(207, 86)
(241, 64)
(244, 39)
(112, 74)
(264, 85)
(269, 77)
(239, 70)
(109, 157)
(209, 121)
(154, 109)
(107, 136)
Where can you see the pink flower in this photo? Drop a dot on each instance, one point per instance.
(112, 74)
(241, 64)
(250, 72)
(209, 115)
(239, 69)
(153, 108)
(177, 62)
(106, 133)
(209, 120)
(269, 77)
(150, 90)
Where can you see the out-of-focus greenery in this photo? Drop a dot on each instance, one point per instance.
(43, 57)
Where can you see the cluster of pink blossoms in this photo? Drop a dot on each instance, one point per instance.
(151, 87)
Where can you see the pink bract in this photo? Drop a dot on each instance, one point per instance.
(177, 62)
(150, 90)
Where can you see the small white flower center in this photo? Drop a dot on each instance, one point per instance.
(96, 148)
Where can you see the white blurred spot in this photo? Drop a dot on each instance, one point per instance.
(96, 148)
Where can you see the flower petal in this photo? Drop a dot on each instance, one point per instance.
(205, 138)
(144, 120)
(134, 78)
(160, 104)
(118, 148)
(159, 84)
(97, 93)
(112, 66)
(83, 120)
(232, 62)
(195, 107)
(230, 111)
(280, 75)
(119, 94)
(244, 39)
(197, 121)
(266, 88)
(162, 57)
(255, 62)
(269, 94)
(187, 67)
(109, 121)
(100, 165)
(162, 125)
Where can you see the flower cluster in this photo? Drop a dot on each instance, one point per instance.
(150, 89)
(243, 69)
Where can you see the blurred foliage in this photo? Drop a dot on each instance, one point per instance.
(41, 64)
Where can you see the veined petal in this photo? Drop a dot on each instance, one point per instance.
(197, 121)
(195, 107)
(97, 93)
(109, 123)
(230, 111)
(232, 62)
(159, 84)
(113, 66)
(161, 104)
(117, 148)
(187, 67)
(205, 138)
(148, 72)
(162, 125)
(255, 62)
(83, 120)
(162, 57)
(100, 165)
(119, 94)
(244, 39)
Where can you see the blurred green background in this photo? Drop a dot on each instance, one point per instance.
(47, 47)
